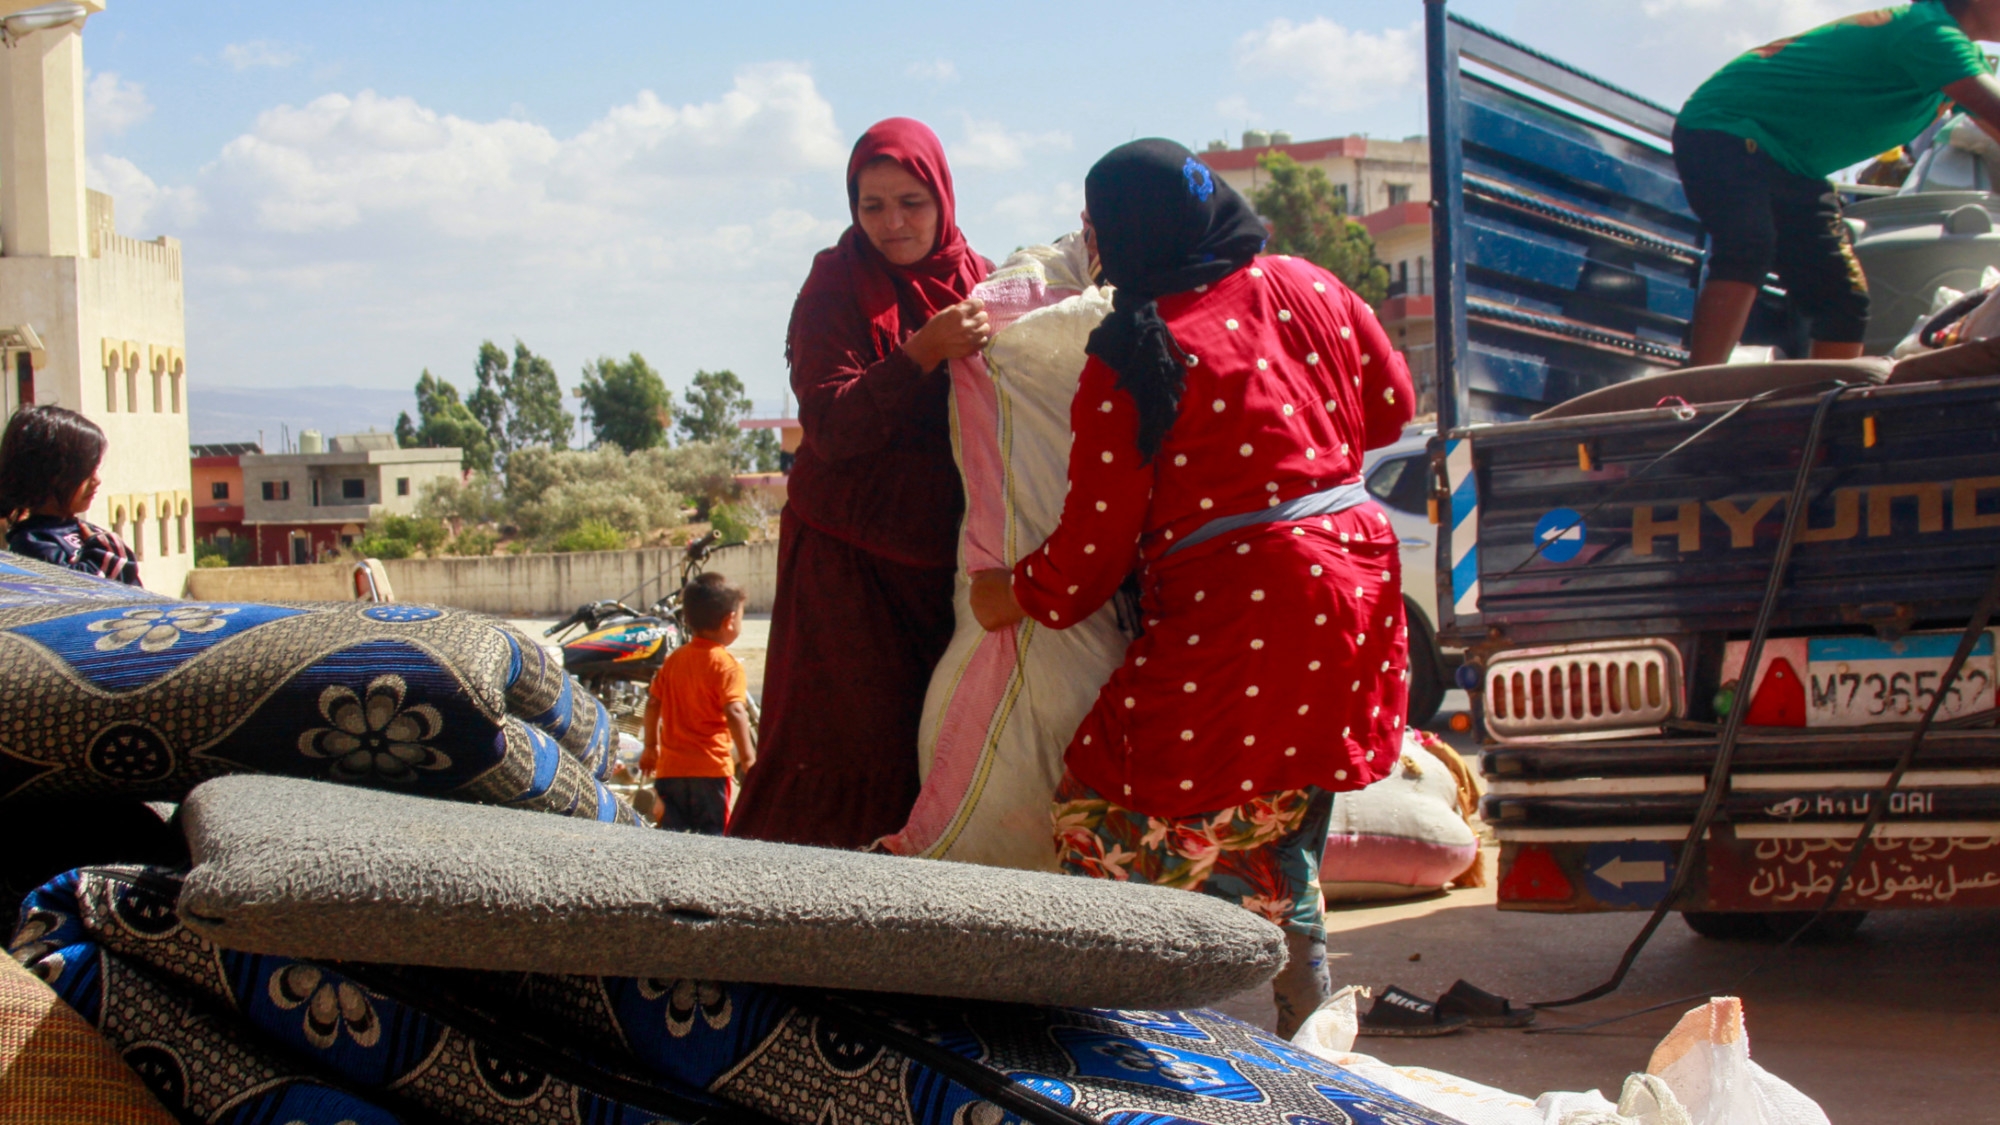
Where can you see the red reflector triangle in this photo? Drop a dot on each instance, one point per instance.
(1780, 700)
(1534, 876)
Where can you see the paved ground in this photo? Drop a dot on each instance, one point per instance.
(1902, 1023)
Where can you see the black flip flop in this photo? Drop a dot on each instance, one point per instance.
(1399, 1014)
(1483, 1009)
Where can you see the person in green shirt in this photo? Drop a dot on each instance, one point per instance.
(1756, 143)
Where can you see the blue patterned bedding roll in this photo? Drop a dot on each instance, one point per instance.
(108, 690)
(416, 1044)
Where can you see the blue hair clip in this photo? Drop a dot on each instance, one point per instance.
(1200, 181)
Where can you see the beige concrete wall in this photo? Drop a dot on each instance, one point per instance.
(320, 583)
(41, 144)
(92, 294)
(131, 292)
(47, 295)
(508, 585)
(553, 585)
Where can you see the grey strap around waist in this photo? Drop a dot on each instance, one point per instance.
(1339, 498)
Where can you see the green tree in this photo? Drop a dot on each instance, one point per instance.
(716, 401)
(758, 450)
(549, 492)
(400, 537)
(232, 551)
(535, 412)
(488, 400)
(590, 535)
(626, 404)
(475, 500)
(703, 471)
(1308, 217)
(520, 404)
(445, 422)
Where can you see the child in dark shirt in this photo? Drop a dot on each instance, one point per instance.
(48, 477)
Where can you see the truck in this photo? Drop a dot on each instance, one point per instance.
(1606, 546)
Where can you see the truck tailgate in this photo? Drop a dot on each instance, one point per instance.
(1903, 522)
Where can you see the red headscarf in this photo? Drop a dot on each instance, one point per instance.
(942, 278)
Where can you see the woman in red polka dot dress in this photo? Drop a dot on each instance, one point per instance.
(1219, 428)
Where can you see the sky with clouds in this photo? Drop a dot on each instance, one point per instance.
(368, 189)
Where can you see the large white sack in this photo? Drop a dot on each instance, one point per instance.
(1700, 1074)
(1328, 1033)
(1002, 706)
(1705, 1060)
(1407, 834)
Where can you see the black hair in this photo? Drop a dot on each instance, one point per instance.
(709, 600)
(46, 454)
(1165, 224)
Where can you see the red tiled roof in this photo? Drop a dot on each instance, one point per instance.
(1395, 215)
(1305, 152)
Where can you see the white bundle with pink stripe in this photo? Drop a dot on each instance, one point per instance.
(1002, 706)
(1407, 834)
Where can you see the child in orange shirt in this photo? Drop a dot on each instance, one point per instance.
(698, 715)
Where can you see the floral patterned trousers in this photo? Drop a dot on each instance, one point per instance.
(1262, 855)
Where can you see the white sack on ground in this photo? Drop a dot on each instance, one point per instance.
(1700, 1074)
(1407, 834)
(1002, 706)
(1705, 1061)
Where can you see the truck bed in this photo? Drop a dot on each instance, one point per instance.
(1903, 531)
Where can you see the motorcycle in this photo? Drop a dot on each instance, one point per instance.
(620, 648)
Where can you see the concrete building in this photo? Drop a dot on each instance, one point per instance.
(771, 487)
(218, 489)
(90, 319)
(1402, 237)
(300, 507)
(1368, 174)
(1386, 185)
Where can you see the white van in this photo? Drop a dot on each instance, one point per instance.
(1397, 476)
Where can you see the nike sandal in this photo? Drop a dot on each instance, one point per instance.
(1399, 1014)
(1483, 1009)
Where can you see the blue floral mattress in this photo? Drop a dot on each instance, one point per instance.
(240, 1038)
(106, 690)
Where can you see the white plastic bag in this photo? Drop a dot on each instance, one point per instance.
(1328, 1033)
(1980, 323)
(1700, 1074)
(1330, 1030)
(1705, 1061)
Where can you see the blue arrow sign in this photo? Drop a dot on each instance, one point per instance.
(1560, 535)
(1629, 872)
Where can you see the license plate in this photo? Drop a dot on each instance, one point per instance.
(1859, 681)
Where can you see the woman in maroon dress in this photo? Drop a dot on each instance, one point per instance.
(1219, 427)
(869, 538)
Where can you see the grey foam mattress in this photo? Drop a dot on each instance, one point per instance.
(311, 870)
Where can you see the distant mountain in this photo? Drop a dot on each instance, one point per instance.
(217, 414)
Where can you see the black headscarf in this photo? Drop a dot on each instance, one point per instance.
(1165, 224)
